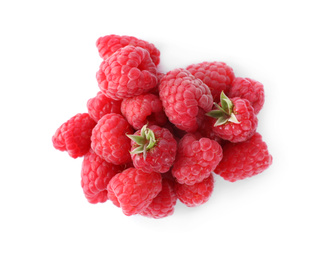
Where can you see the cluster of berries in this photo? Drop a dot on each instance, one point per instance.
(150, 138)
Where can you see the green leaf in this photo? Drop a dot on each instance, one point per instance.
(221, 121)
(138, 150)
(233, 119)
(137, 139)
(226, 104)
(215, 113)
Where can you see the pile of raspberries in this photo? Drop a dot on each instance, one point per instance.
(150, 138)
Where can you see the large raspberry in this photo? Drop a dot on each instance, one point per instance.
(95, 176)
(135, 189)
(196, 158)
(74, 136)
(143, 109)
(109, 139)
(243, 160)
(101, 105)
(218, 76)
(196, 194)
(128, 72)
(109, 44)
(183, 96)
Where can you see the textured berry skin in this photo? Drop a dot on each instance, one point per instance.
(196, 158)
(101, 105)
(135, 189)
(241, 132)
(109, 139)
(74, 136)
(218, 76)
(95, 176)
(249, 89)
(183, 96)
(128, 72)
(161, 157)
(163, 205)
(243, 160)
(196, 194)
(143, 109)
(109, 44)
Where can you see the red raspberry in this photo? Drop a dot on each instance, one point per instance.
(249, 89)
(143, 109)
(163, 205)
(196, 194)
(243, 160)
(218, 76)
(128, 72)
(101, 105)
(109, 139)
(183, 96)
(74, 136)
(135, 189)
(95, 176)
(236, 120)
(196, 158)
(109, 44)
(153, 149)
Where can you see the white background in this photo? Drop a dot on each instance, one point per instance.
(48, 62)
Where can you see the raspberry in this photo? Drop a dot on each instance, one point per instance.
(135, 189)
(109, 44)
(249, 89)
(143, 109)
(101, 105)
(218, 76)
(236, 120)
(128, 72)
(74, 136)
(183, 96)
(196, 194)
(95, 176)
(196, 159)
(109, 139)
(243, 160)
(163, 205)
(153, 149)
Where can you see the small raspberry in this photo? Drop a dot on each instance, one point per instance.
(196, 158)
(109, 44)
(243, 160)
(236, 120)
(74, 136)
(183, 96)
(143, 109)
(153, 149)
(218, 76)
(163, 205)
(128, 72)
(109, 139)
(196, 194)
(249, 89)
(101, 105)
(135, 189)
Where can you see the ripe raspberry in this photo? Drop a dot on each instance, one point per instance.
(196, 194)
(218, 76)
(236, 120)
(196, 158)
(109, 139)
(74, 136)
(243, 160)
(163, 205)
(153, 149)
(143, 109)
(183, 96)
(128, 72)
(249, 89)
(95, 176)
(109, 44)
(135, 189)
(101, 105)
